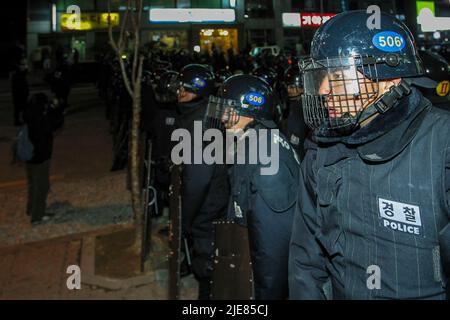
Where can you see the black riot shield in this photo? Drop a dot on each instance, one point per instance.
(175, 232)
(232, 269)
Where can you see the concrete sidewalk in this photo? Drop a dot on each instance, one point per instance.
(39, 270)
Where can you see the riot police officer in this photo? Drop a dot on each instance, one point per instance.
(264, 202)
(270, 76)
(296, 129)
(437, 69)
(221, 76)
(374, 190)
(159, 113)
(267, 74)
(204, 187)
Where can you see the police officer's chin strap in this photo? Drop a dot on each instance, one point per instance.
(387, 100)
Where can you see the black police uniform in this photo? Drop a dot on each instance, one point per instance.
(296, 129)
(341, 232)
(264, 202)
(205, 188)
(373, 204)
(205, 192)
(159, 121)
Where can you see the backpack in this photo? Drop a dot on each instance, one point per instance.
(25, 148)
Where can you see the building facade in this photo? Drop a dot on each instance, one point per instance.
(199, 24)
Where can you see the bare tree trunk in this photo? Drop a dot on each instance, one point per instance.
(135, 125)
(133, 85)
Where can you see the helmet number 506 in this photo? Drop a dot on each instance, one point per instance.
(390, 41)
(255, 99)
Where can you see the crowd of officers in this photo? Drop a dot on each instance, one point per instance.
(313, 226)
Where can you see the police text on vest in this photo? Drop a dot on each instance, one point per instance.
(400, 216)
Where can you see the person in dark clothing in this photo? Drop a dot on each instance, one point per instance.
(373, 216)
(159, 113)
(296, 129)
(42, 117)
(61, 81)
(262, 199)
(269, 75)
(437, 69)
(205, 187)
(20, 91)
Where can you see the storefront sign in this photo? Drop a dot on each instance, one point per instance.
(306, 19)
(88, 21)
(192, 15)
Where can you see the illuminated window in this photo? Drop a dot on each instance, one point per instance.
(220, 40)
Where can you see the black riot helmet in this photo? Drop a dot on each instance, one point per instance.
(267, 74)
(222, 75)
(292, 76)
(437, 69)
(166, 90)
(240, 95)
(293, 81)
(347, 61)
(435, 66)
(156, 75)
(198, 79)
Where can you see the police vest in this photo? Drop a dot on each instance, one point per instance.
(380, 215)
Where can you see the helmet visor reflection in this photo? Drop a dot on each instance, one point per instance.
(336, 91)
(221, 113)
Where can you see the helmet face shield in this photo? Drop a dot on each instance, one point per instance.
(221, 113)
(336, 91)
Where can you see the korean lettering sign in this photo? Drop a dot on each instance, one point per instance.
(315, 20)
